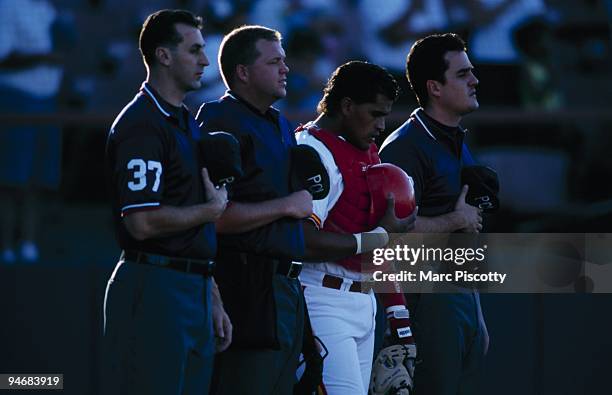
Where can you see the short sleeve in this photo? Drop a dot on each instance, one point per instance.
(405, 155)
(322, 207)
(139, 171)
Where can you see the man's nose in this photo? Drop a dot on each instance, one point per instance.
(204, 60)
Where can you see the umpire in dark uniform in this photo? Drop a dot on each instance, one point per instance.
(260, 233)
(161, 304)
(450, 332)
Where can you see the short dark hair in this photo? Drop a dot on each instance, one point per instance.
(159, 29)
(359, 81)
(238, 47)
(426, 62)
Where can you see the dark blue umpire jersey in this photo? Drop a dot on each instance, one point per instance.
(151, 161)
(433, 155)
(264, 315)
(265, 141)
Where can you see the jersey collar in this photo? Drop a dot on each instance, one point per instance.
(451, 138)
(420, 116)
(271, 114)
(167, 109)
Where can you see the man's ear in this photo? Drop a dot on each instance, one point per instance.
(346, 106)
(163, 55)
(433, 88)
(242, 73)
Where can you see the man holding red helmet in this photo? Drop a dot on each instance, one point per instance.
(345, 224)
(449, 325)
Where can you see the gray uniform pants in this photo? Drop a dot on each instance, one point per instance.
(266, 371)
(450, 340)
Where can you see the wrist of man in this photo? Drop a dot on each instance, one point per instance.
(398, 318)
(457, 220)
(369, 241)
(216, 295)
(217, 302)
(286, 206)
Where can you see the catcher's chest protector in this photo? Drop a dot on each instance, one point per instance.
(351, 212)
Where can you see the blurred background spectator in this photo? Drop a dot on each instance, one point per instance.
(31, 32)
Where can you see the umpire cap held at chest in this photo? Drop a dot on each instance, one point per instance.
(484, 187)
(220, 154)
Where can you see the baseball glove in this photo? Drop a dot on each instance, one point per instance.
(393, 371)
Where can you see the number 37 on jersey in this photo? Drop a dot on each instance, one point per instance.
(140, 169)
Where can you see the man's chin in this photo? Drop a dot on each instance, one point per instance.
(195, 86)
(363, 145)
(471, 108)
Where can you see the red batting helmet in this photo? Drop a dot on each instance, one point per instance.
(386, 178)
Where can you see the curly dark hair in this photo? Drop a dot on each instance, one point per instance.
(359, 81)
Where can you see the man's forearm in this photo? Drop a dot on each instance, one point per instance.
(445, 223)
(216, 295)
(169, 219)
(327, 246)
(244, 217)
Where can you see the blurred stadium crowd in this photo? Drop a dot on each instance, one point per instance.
(545, 89)
(533, 54)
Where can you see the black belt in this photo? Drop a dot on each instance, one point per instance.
(186, 265)
(288, 268)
